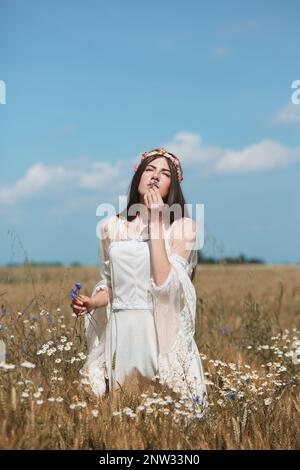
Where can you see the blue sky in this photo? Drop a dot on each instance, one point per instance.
(90, 85)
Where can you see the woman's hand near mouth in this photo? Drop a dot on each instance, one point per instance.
(154, 202)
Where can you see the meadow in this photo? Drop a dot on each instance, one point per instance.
(248, 336)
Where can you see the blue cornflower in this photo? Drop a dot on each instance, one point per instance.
(76, 291)
(73, 293)
(231, 395)
(197, 399)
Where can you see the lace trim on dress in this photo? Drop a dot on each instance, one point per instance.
(118, 305)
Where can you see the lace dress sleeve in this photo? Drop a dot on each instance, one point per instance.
(174, 312)
(170, 296)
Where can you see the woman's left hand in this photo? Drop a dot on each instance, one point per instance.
(154, 202)
(82, 304)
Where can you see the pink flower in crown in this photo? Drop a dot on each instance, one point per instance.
(144, 155)
(161, 150)
(135, 167)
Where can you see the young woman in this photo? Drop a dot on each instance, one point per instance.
(141, 315)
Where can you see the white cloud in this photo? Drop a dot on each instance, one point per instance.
(289, 114)
(265, 155)
(45, 179)
(85, 179)
(192, 150)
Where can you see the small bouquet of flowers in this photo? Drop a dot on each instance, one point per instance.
(75, 292)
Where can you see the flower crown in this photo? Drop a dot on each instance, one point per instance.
(164, 153)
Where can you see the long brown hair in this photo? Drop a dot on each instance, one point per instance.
(174, 196)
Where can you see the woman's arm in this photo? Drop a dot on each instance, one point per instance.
(161, 266)
(100, 299)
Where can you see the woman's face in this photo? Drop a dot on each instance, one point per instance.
(156, 171)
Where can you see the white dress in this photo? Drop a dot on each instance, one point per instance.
(144, 326)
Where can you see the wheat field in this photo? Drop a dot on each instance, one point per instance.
(247, 332)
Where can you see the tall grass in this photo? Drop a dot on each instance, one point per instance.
(247, 321)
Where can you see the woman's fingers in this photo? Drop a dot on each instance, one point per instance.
(146, 200)
(157, 195)
(153, 199)
(77, 301)
(79, 310)
(150, 197)
(81, 304)
(154, 195)
(154, 203)
(77, 307)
